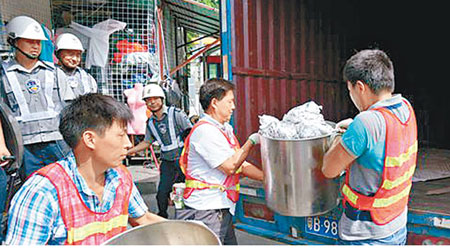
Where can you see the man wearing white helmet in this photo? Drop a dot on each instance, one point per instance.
(166, 125)
(29, 88)
(73, 80)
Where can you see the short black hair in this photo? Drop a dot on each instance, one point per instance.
(91, 111)
(373, 67)
(214, 88)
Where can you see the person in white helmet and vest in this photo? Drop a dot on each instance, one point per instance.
(29, 88)
(166, 126)
(73, 80)
(213, 162)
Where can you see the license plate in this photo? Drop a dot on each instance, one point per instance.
(322, 226)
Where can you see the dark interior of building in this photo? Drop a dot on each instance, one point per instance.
(413, 33)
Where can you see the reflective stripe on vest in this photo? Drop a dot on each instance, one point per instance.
(195, 184)
(96, 227)
(26, 115)
(355, 199)
(85, 80)
(88, 85)
(400, 161)
(175, 143)
(86, 227)
(231, 184)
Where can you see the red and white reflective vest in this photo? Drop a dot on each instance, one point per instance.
(230, 185)
(85, 227)
(400, 162)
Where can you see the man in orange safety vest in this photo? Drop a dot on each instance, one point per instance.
(378, 150)
(87, 197)
(213, 161)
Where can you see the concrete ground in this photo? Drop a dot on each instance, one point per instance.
(146, 180)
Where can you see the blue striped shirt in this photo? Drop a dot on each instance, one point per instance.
(35, 217)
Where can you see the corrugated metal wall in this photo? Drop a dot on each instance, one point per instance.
(37, 9)
(285, 53)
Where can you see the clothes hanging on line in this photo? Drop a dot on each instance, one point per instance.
(97, 53)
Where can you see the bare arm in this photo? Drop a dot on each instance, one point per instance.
(336, 160)
(231, 165)
(141, 146)
(252, 171)
(147, 218)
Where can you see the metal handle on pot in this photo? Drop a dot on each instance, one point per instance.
(330, 140)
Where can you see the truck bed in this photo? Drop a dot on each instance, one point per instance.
(428, 215)
(431, 182)
(432, 175)
(422, 202)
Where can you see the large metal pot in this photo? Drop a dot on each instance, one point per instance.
(294, 183)
(171, 232)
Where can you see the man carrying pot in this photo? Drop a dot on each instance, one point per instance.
(213, 162)
(378, 150)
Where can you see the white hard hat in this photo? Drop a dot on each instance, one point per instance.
(153, 90)
(25, 27)
(68, 41)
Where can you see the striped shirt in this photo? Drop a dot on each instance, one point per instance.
(35, 217)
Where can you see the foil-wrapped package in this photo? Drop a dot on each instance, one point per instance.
(304, 121)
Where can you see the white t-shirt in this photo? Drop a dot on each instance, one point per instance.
(208, 150)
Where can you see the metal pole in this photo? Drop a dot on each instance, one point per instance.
(160, 45)
(193, 57)
(198, 39)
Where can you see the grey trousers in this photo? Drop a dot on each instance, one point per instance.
(220, 221)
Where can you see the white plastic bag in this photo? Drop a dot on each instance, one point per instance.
(304, 121)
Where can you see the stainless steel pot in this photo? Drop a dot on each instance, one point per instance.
(294, 183)
(171, 232)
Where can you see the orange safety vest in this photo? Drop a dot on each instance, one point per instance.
(231, 184)
(400, 162)
(85, 227)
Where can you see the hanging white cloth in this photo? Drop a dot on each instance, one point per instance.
(97, 54)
